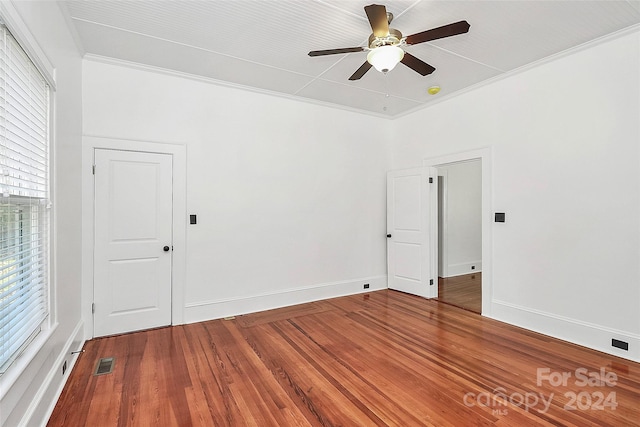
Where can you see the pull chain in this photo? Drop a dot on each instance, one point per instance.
(385, 104)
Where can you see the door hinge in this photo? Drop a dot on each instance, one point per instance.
(93, 307)
(430, 282)
(93, 169)
(430, 180)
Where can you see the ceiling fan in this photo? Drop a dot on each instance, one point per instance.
(385, 44)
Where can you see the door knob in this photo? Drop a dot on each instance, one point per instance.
(166, 249)
(388, 235)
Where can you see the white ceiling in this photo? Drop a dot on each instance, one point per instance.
(263, 44)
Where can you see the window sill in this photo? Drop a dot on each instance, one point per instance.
(20, 365)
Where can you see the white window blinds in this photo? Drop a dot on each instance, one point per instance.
(24, 204)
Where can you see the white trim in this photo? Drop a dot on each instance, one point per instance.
(21, 363)
(434, 255)
(443, 255)
(35, 414)
(210, 80)
(71, 26)
(422, 105)
(179, 153)
(22, 34)
(504, 75)
(575, 331)
(463, 268)
(26, 367)
(485, 155)
(216, 309)
(23, 372)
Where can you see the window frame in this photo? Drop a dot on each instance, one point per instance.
(12, 20)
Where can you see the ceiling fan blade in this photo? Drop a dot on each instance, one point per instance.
(360, 71)
(377, 15)
(335, 51)
(417, 65)
(449, 30)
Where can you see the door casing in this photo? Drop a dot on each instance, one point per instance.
(485, 156)
(178, 274)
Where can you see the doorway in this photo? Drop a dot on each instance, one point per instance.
(460, 234)
(178, 155)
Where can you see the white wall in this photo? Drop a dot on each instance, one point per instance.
(291, 204)
(290, 196)
(461, 230)
(564, 137)
(31, 385)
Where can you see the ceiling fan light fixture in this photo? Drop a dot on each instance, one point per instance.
(385, 58)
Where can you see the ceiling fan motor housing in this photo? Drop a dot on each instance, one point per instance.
(392, 39)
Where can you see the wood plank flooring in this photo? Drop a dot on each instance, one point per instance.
(378, 359)
(462, 291)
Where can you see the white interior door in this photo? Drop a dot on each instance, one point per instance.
(412, 234)
(133, 241)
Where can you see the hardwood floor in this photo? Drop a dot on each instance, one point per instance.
(462, 291)
(384, 358)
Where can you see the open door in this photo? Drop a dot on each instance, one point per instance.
(412, 233)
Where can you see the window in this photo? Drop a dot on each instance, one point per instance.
(24, 199)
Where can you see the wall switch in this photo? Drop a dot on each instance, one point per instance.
(500, 216)
(192, 219)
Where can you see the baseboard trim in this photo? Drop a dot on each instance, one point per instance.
(586, 334)
(208, 310)
(464, 268)
(42, 405)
